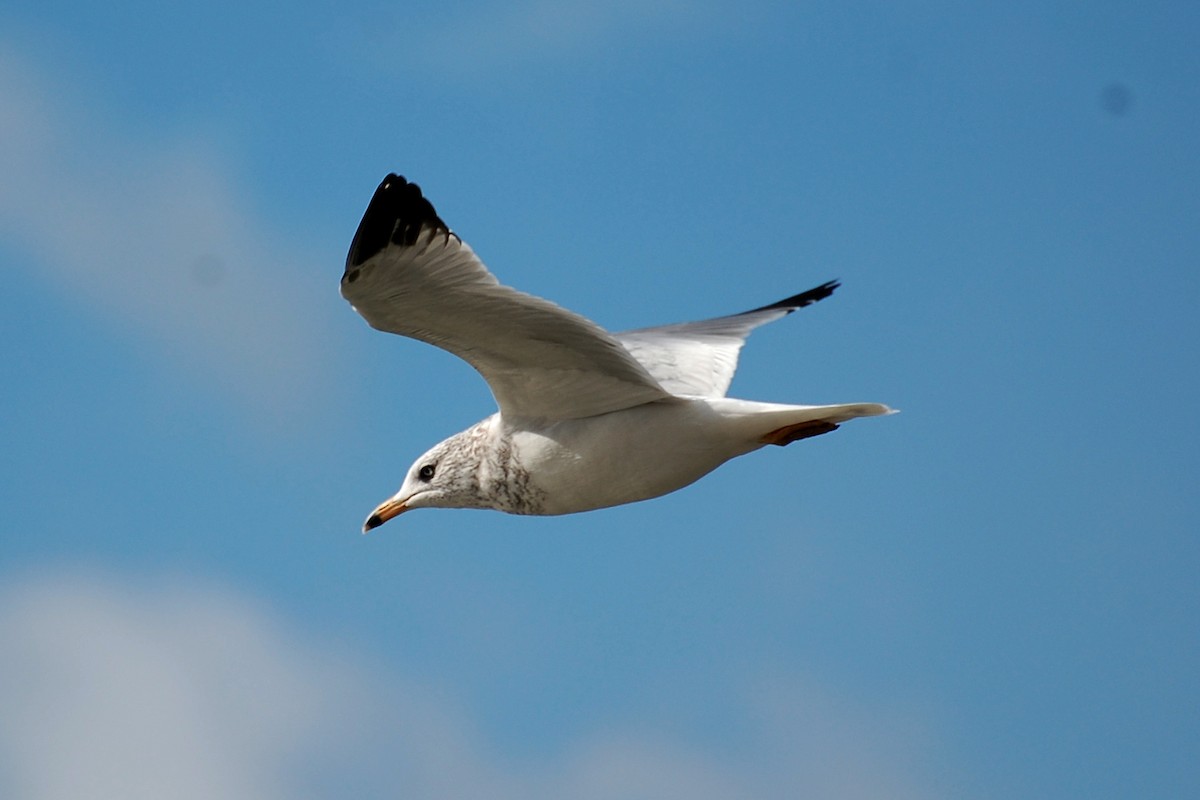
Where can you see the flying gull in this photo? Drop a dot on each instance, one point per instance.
(588, 419)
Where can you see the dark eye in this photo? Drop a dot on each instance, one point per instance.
(425, 473)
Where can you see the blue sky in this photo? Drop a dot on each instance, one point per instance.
(990, 595)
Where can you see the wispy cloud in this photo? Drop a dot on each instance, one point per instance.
(115, 692)
(152, 236)
(121, 688)
(482, 37)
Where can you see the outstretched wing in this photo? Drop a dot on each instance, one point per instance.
(699, 358)
(407, 273)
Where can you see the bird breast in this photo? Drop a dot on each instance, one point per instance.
(621, 457)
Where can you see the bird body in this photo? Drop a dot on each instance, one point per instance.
(587, 419)
(649, 450)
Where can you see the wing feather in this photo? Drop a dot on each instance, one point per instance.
(408, 273)
(699, 358)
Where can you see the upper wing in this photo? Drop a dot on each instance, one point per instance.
(406, 273)
(699, 358)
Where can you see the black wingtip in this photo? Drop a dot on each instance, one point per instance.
(803, 299)
(396, 215)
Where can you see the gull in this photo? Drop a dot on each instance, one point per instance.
(587, 419)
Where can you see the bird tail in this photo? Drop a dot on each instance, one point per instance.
(772, 423)
(815, 420)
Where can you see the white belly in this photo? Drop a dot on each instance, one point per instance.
(628, 455)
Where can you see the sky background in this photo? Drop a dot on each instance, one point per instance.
(990, 595)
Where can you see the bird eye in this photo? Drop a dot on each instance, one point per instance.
(426, 472)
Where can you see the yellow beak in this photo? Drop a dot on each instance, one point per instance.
(383, 513)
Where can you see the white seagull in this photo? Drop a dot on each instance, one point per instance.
(588, 419)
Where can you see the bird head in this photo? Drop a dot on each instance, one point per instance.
(445, 476)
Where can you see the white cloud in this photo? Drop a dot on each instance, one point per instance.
(152, 237)
(118, 688)
(132, 693)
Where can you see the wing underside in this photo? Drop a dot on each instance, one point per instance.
(699, 358)
(408, 274)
